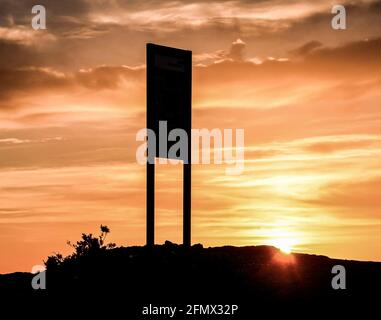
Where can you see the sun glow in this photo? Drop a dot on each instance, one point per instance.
(284, 244)
(283, 238)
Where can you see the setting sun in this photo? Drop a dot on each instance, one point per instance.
(285, 245)
(284, 236)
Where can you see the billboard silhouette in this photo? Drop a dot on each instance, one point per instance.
(169, 99)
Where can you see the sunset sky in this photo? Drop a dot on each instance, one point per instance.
(72, 98)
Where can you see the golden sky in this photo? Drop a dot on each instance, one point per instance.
(72, 98)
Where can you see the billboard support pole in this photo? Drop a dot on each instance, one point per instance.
(150, 204)
(187, 204)
(187, 177)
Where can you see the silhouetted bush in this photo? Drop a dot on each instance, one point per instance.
(88, 246)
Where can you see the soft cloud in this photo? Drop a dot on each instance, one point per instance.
(24, 35)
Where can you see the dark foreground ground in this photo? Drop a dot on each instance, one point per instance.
(260, 280)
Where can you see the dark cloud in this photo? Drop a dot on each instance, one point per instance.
(20, 10)
(351, 60)
(81, 35)
(21, 81)
(354, 56)
(306, 48)
(237, 50)
(14, 55)
(16, 83)
(365, 52)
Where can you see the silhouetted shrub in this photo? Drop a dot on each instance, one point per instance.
(89, 245)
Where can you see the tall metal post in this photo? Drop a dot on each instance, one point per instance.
(150, 204)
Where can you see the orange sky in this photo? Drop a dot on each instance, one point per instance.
(72, 98)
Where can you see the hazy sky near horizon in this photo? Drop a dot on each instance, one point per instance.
(72, 98)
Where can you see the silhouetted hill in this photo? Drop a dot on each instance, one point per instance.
(258, 279)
